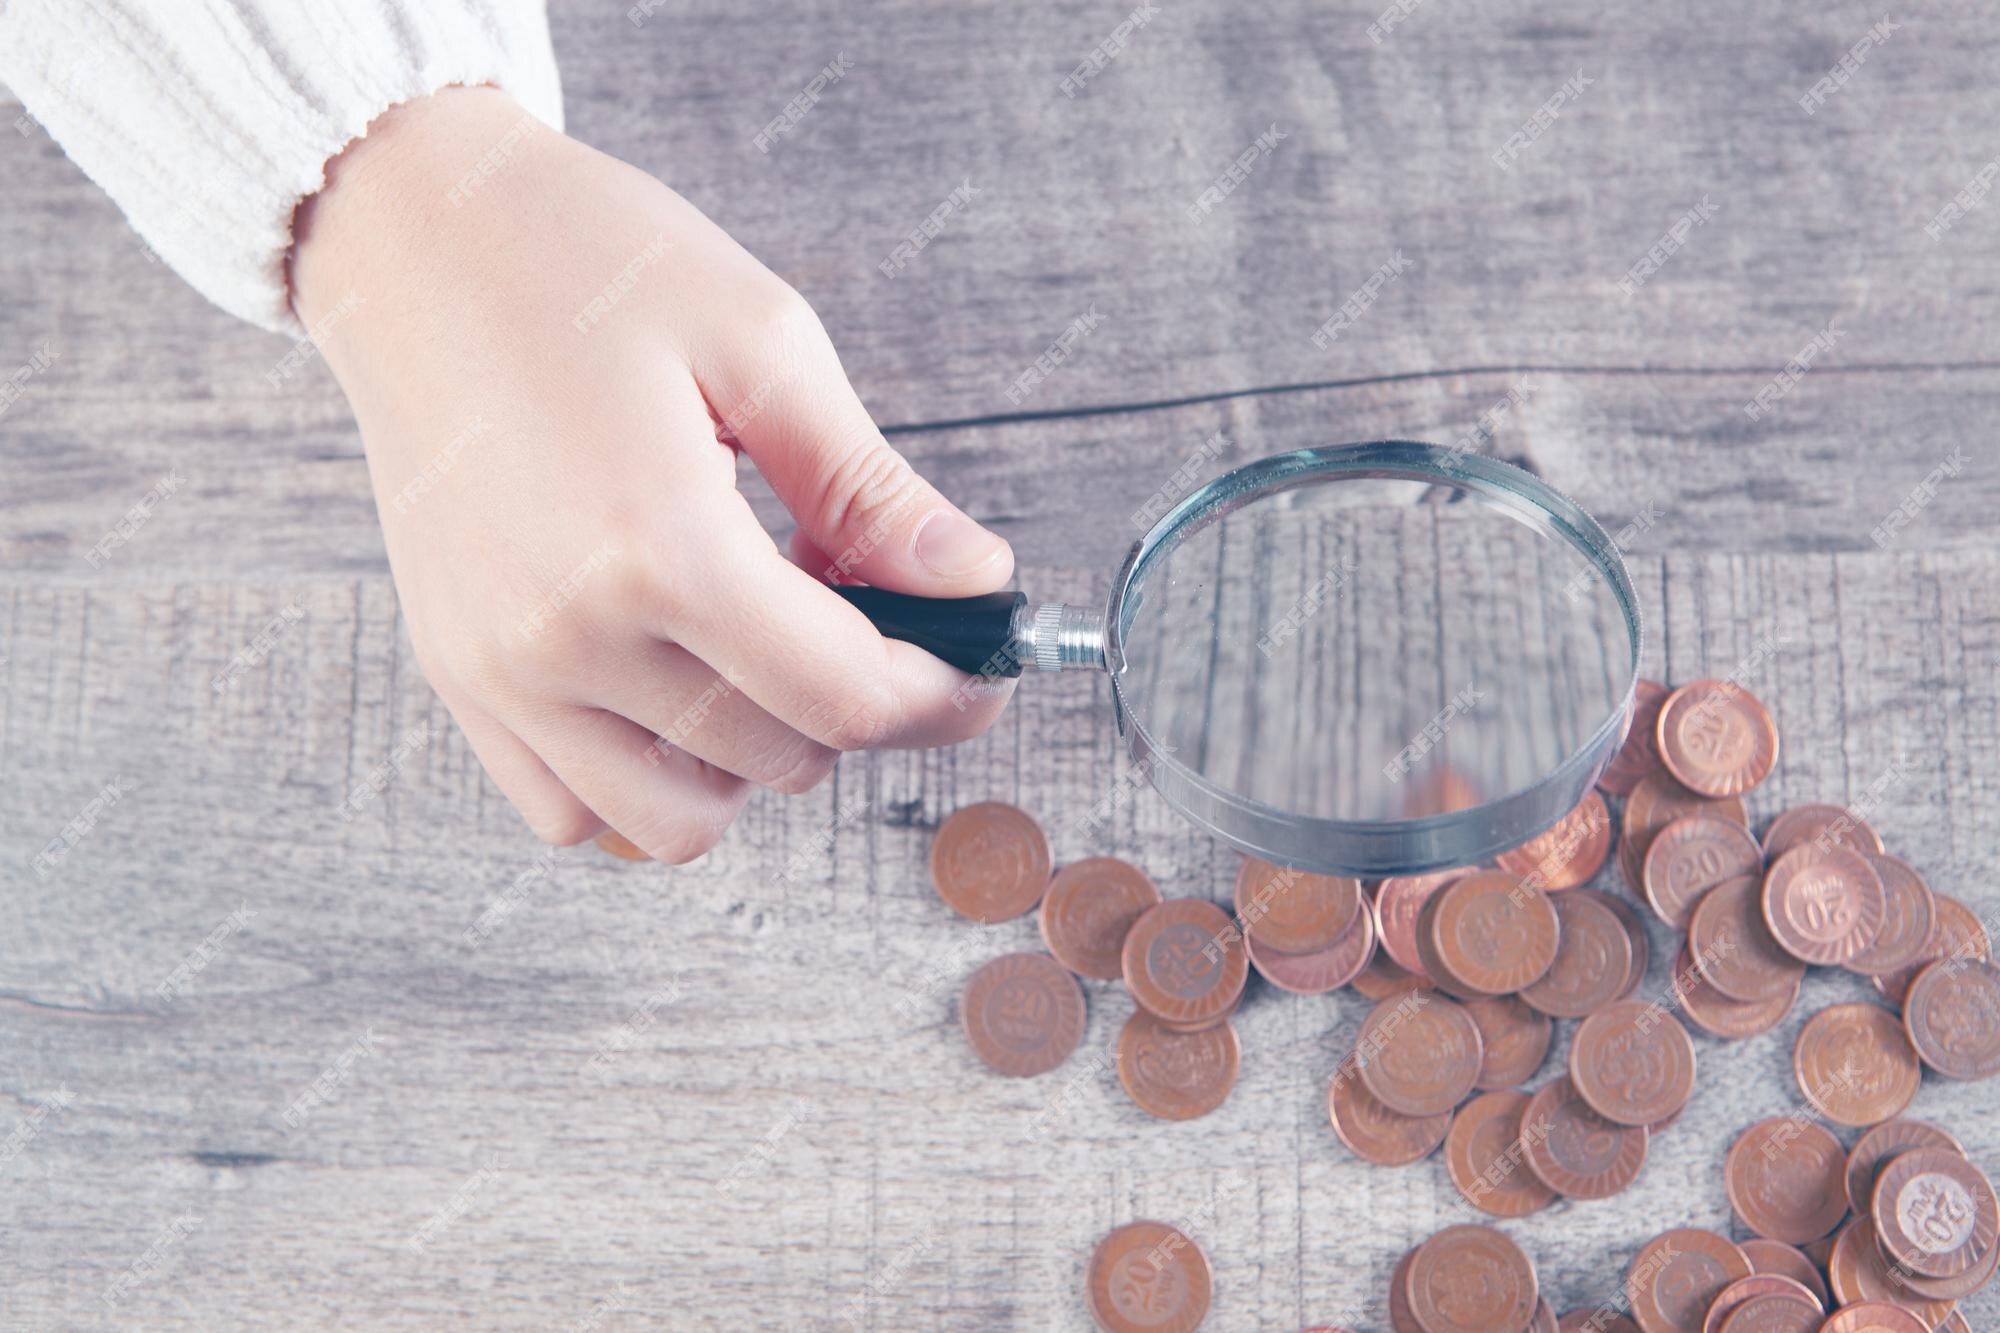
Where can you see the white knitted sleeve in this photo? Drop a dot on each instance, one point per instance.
(207, 121)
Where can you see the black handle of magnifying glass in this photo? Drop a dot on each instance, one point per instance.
(974, 634)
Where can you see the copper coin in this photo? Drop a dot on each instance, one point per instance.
(1204, 1024)
(1593, 959)
(1691, 856)
(1874, 1317)
(1382, 978)
(1419, 1053)
(1544, 1320)
(1718, 1015)
(620, 846)
(1955, 933)
(1857, 1271)
(1935, 1213)
(1398, 900)
(1656, 802)
(1777, 1259)
(1823, 907)
(1640, 754)
(1568, 852)
(1472, 1279)
(1372, 1131)
(1855, 1065)
(990, 861)
(1494, 933)
(1514, 1040)
(1147, 1277)
(1775, 1312)
(1949, 1288)
(1952, 1016)
(1716, 738)
(1601, 1320)
(1759, 1284)
(1575, 1151)
(1633, 1063)
(1087, 910)
(1483, 1156)
(1184, 962)
(1317, 973)
(1292, 911)
(1434, 967)
(1785, 1178)
(1176, 1075)
(1878, 1145)
(1023, 1014)
(1401, 1320)
(1732, 946)
(1954, 1323)
(1676, 1274)
(1635, 931)
(1828, 824)
(1908, 910)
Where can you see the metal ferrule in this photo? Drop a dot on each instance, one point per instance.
(1056, 636)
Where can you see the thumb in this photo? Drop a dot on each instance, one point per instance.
(856, 499)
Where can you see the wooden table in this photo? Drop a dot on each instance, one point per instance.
(735, 1095)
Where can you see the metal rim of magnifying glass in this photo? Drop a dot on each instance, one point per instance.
(1375, 847)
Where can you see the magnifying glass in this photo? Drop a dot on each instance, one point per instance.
(1365, 659)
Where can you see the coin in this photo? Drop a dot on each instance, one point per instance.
(1600, 1320)
(1935, 1213)
(1633, 1063)
(1292, 911)
(1372, 1131)
(1493, 933)
(1575, 1151)
(1472, 1279)
(1785, 1178)
(1950, 1288)
(1778, 1259)
(1717, 1014)
(620, 846)
(1147, 1277)
(1775, 1312)
(1635, 931)
(1873, 1317)
(1401, 1320)
(1434, 968)
(1184, 962)
(1691, 856)
(1878, 1145)
(1398, 901)
(1568, 852)
(1823, 907)
(1418, 1053)
(1513, 1038)
(1593, 959)
(1857, 1271)
(1955, 933)
(1317, 973)
(1855, 1065)
(1482, 1155)
(1907, 913)
(1640, 754)
(1382, 978)
(1952, 1015)
(1656, 802)
(1676, 1274)
(1757, 1284)
(1830, 824)
(990, 861)
(1089, 907)
(1716, 738)
(1023, 1014)
(1544, 1319)
(1176, 1075)
(1732, 946)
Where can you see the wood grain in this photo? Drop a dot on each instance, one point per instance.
(735, 1095)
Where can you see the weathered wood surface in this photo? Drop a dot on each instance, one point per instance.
(735, 1095)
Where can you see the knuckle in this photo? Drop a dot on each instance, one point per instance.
(849, 721)
(808, 765)
(781, 315)
(681, 837)
(866, 490)
(563, 825)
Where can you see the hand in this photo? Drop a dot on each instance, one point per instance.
(542, 346)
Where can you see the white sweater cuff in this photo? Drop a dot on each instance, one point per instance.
(207, 121)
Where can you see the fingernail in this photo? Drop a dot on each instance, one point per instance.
(953, 545)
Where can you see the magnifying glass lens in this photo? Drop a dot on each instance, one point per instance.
(1372, 649)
